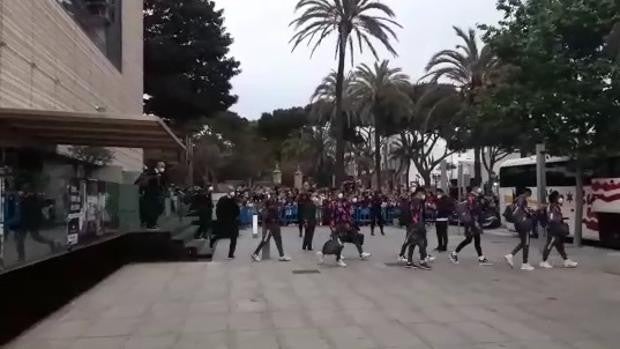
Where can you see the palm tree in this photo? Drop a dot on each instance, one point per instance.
(380, 94)
(324, 101)
(354, 21)
(469, 67)
(402, 152)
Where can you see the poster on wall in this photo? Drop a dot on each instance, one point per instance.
(75, 211)
(2, 218)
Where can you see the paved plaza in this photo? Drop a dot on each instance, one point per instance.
(368, 305)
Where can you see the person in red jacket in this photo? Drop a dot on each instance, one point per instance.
(473, 230)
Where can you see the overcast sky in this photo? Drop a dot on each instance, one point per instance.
(272, 77)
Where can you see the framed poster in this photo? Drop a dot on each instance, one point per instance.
(75, 212)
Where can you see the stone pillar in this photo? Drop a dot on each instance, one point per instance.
(299, 179)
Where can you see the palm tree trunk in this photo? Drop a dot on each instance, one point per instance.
(377, 157)
(477, 167)
(407, 169)
(339, 117)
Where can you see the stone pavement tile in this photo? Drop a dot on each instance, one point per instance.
(218, 340)
(550, 344)
(307, 338)
(124, 311)
(289, 319)
(249, 321)
(249, 305)
(40, 343)
(159, 326)
(111, 327)
(349, 337)
(595, 344)
(263, 339)
(394, 334)
(99, 343)
(152, 342)
(444, 314)
(329, 318)
(406, 315)
(165, 309)
(59, 329)
(439, 334)
(211, 307)
(205, 323)
(517, 330)
(367, 316)
(479, 332)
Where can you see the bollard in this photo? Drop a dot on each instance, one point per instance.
(255, 226)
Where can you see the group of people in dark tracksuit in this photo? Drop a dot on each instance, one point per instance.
(414, 217)
(525, 218)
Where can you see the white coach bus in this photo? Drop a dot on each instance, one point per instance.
(601, 212)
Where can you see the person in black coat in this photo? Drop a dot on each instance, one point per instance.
(227, 212)
(30, 221)
(445, 208)
(203, 205)
(309, 221)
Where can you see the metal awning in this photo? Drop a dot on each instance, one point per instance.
(45, 127)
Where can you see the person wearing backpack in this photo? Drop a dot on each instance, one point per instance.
(557, 231)
(522, 216)
(469, 213)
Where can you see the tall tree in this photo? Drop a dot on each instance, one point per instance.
(380, 94)
(564, 85)
(436, 127)
(187, 69)
(468, 66)
(355, 22)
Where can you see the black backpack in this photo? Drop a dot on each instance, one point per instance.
(509, 213)
(463, 213)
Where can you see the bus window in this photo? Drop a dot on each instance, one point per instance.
(517, 176)
(559, 174)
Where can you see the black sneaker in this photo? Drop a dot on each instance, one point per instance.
(424, 265)
(411, 265)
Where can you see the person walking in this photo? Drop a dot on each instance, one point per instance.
(227, 212)
(301, 200)
(376, 214)
(30, 222)
(271, 228)
(469, 213)
(522, 216)
(557, 230)
(445, 208)
(416, 231)
(309, 221)
(203, 205)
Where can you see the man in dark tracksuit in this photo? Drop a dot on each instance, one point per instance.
(416, 231)
(301, 200)
(227, 212)
(271, 223)
(523, 224)
(472, 228)
(308, 218)
(445, 207)
(376, 216)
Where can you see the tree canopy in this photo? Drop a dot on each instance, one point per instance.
(187, 69)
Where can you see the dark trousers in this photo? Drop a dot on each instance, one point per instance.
(442, 235)
(556, 241)
(271, 230)
(338, 253)
(376, 219)
(153, 207)
(524, 243)
(353, 237)
(472, 233)
(204, 226)
(300, 225)
(307, 243)
(416, 236)
(20, 238)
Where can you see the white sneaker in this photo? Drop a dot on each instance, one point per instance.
(320, 257)
(545, 265)
(341, 263)
(365, 255)
(570, 264)
(401, 259)
(430, 258)
(527, 267)
(255, 258)
(510, 260)
(285, 259)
